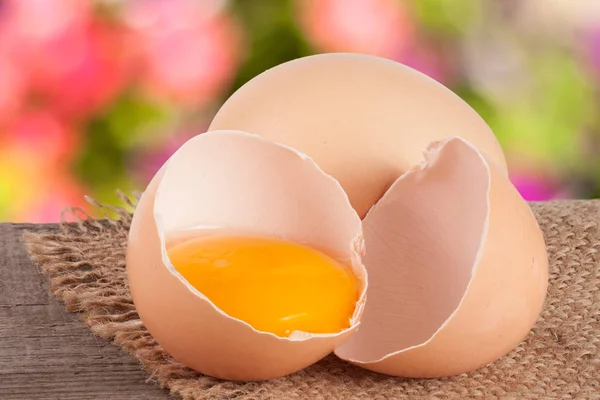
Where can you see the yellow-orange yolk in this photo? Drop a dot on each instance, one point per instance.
(274, 285)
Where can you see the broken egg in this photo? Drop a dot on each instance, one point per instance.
(458, 269)
(457, 263)
(221, 182)
(248, 260)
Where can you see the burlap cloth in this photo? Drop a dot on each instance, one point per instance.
(560, 359)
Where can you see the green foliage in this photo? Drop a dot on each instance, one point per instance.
(129, 124)
(546, 127)
(273, 35)
(450, 17)
(102, 160)
(482, 105)
(133, 121)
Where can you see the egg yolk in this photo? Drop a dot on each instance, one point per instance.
(274, 285)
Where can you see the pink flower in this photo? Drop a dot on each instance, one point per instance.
(72, 61)
(60, 193)
(89, 83)
(378, 27)
(35, 31)
(13, 86)
(591, 48)
(189, 49)
(43, 136)
(35, 22)
(536, 187)
(428, 61)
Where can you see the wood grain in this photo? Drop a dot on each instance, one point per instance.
(46, 352)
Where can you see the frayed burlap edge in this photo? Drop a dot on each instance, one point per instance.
(85, 264)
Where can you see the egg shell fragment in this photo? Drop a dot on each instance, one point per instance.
(458, 269)
(234, 180)
(365, 120)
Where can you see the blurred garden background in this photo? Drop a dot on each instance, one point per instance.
(96, 95)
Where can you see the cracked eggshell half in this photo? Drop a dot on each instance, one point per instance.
(458, 269)
(364, 120)
(234, 180)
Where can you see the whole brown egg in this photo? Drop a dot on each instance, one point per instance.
(364, 120)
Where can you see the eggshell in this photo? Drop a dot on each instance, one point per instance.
(234, 180)
(457, 265)
(365, 120)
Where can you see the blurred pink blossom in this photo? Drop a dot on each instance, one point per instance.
(48, 140)
(34, 22)
(378, 27)
(95, 79)
(13, 86)
(591, 48)
(50, 201)
(72, 61)
(536, 187)
(44, 34)
(190, 49)
(428, 61)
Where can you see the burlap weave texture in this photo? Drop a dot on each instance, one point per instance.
(560, 359)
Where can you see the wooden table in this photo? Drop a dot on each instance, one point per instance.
(46, 352)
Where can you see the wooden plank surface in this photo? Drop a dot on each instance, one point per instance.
(46, 352)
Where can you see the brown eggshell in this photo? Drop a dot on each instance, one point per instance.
(364, 120)
(235, 181)
(457, 265)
